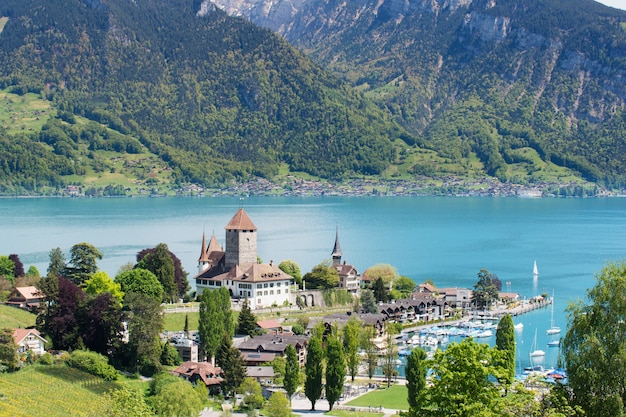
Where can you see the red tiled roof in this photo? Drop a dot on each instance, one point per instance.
(268, 324)
(240, 221)
(210, 375)
(29, 292)
(20, 334)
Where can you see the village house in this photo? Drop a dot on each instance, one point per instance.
(377, 320)
(27, 298)
(420, 306)
(236, 267)
(209, 375)
(265, 348)
(29, 340)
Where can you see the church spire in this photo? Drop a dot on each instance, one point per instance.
(336, 255)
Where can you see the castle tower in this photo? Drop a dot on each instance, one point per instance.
(204, 261)
(240, 241)
(336, 255)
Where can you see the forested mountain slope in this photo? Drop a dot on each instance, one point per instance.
(490, 77)
(214, 97)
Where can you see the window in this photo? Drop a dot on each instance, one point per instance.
(264, 285)
(259, 285)
(271, 292)
(271, 285)
(277, 291)
(286, 290)
(265, 292)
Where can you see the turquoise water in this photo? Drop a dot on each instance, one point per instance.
(444, 239)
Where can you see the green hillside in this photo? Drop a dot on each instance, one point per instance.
(14, 318)
(53, 391)
(213, 97)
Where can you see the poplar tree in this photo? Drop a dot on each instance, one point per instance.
(313, 369)
(292, 371)
(416, 378)
(505, 344)
(351, 345)
(335, 368)
(215, 319)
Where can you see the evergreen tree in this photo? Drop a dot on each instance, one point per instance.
(313, 369)
(505, 344)
(246, 322)
(186, 326)
(335, 368)
(56, 265)
(381, 294)
(8, 350)
(292, 371)
(416, 378)
(83, 262)
(485, 290)
(229, 359)
(368, 302)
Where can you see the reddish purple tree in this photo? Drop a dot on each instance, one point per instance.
(101, 323)
(18, 269)
(180, 275)
(60, 322)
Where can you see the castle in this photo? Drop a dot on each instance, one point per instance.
(237, 269)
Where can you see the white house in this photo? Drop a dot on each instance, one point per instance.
(29, 339)
(236, 267)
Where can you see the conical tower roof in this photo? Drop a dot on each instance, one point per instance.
(337, 248)
(240, 221)
(214, 245)
(204, 255)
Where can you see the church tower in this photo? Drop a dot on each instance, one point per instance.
(240, 241)
(336, 255)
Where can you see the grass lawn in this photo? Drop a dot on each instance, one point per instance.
(345, 413)
(175, 322)
(13, 317)
(394, 397)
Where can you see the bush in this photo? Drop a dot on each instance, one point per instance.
(46, 359)
(93, 363)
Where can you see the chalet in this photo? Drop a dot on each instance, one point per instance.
(209, 375)
(263, 374)
(349, 277)
(457, 297)
(419, 307)
(29, 340)
(270, 326)
(259, 349)
(28, 298)
(236, 267)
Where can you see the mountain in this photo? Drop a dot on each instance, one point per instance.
(213, 98)
(514, 82)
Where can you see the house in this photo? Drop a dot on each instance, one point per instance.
(263, 374)
(349, 277)
(266, 347)
(209, 375)
(236, 267)
(457, 297)
(270, 326)
(376, 320)
(29, 340)
(28, 298)
(187, 350)
(420, 306)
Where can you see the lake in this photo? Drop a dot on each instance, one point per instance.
(445, 239)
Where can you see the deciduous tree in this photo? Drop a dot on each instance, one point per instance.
(335, 368)
(18, 270)
(140, 281)
(323, 276)
(145, 323)
(485, 290)
(351, 338)
(159, 261)
(386, 272)
(215, 319)
(291, 267)
(594, 346)
(292, 371)
(180, 275)
(101, 282)
(505, 344)
(278, 405)
(416, 370)
(368, 301)
(313, 369)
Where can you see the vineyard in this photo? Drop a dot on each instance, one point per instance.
(52, 391)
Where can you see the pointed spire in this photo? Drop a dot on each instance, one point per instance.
(204, 256)
(336, 255)
(214, 245)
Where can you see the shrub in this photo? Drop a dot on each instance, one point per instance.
(93, 363)
(46, 359)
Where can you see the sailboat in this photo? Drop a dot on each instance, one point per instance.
(535, 270)
(553, 329)
(534, 353)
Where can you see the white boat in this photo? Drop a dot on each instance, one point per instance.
(519, 326)
(554, 343)
(534, 353)
(535, 270)
(553, 329)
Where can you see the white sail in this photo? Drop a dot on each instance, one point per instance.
(553, 329)
(535, 269)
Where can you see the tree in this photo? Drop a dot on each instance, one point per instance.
(389, 358)
(322, 276)
(453, 393)
(145, 323)
(246, 322)
(485, 291)
(292, 371)
(126, 402)
(385, 272)
(278, 405)
(18, 270)
(59, 320)
(252, 393)
(100, 323)
(403, 286)
(368, 301)
(416, 370)
(83, 262)
(313, 370)
(594, 346)
(371, 353)
(56, 266)
(140, 281)
(160, 263)
(505, 344)
(176, 398)
(6, 268)
(291, 267)
(380, 291)
(215, 319)
(180, 275)
(335, 368)
(32, 272)
(101, 282)
(229, 359)
(351, 338)
(8, 350)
